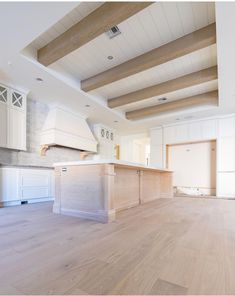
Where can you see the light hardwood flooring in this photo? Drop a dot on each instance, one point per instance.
(179, 246)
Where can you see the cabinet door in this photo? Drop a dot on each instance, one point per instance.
(176, 134)
(4, 97)
(169, 135)
(3, 124)
(16, 129)
(209, 129)
(226, 154)
(9, 184)
(17, 100)
(225, 187)
(156, 156)
(195, 131)
(35, 183)
(156, 137)
(227, 127)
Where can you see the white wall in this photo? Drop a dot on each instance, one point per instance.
(221, 129)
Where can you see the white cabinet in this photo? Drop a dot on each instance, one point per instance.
(176, 134)
(156, 156)
(156, 147)
(227, 127)
(226, 184)
(3, 125)
(169, 135)
(35, 183)
(209, 129)
(9, 185)
(226, 154)
(12, 119)
(226, 145)
(19, 184)
(16, 129)
(191, 132)
(195, 131)
(202, 130)
(156, 137)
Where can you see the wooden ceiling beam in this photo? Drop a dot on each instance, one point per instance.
(96, 23)
(209, 98)
(165, 53)
(165, 87)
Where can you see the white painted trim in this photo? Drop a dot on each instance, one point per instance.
(193, 120)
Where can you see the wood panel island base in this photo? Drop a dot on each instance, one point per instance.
(98, 189)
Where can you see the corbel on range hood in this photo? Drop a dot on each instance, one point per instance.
(67, 129)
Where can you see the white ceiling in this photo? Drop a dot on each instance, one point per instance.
(154, 26)
(157, 24)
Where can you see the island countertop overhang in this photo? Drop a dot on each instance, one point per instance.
(112, 162)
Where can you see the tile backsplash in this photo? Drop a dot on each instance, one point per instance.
(36, 115)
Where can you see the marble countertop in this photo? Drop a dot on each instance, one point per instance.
(108, 161)
(25, 166)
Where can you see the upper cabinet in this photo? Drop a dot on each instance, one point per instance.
(191, 132)
(227, 127)
(156, 137)
(4, 91)
(4, 96)
(17, 100)
(12, 118)
(176, 134)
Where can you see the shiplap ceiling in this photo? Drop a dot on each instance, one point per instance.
(66, 22)
(158, 24)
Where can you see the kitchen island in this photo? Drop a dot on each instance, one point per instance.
(98, 189)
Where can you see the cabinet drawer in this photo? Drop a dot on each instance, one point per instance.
(34, 192)
(35, 178)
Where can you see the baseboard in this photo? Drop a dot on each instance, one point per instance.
(29, 201)
(100, 216)
(127, 206)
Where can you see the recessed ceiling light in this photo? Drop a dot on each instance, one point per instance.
(39, 79)
(110, 57)
(87, 105)
(162, 99)
(177, 119)
(115, 121)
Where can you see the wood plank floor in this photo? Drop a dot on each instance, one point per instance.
(179, 246)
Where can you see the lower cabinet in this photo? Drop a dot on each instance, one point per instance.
(19, 185)
(9, 185)
(226, 184)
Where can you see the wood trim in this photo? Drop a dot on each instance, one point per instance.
(95, 24)
(209, 98)
(165, 87)
(170, 51)
(191, 142)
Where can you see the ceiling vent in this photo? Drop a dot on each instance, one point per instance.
(162, 99)
(113, 32)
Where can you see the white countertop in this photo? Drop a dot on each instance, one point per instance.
(108, 161)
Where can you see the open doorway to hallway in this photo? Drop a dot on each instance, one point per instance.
(194, 166)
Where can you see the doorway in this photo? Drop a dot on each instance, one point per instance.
(194, 166)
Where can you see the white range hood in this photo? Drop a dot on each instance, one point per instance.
(67, 129)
